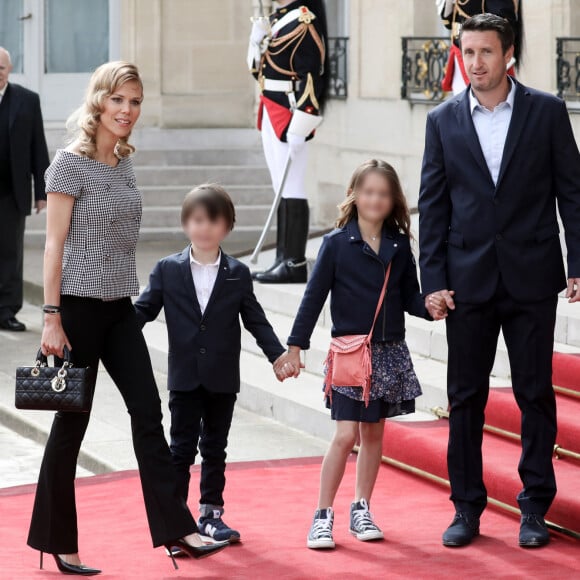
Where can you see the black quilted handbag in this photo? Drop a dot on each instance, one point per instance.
(64, 388)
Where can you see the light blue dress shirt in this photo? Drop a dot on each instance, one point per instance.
(492, 128)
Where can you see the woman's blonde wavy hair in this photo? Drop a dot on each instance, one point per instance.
(399, 219)
(83, 123)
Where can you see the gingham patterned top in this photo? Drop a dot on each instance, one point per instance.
(99, 251)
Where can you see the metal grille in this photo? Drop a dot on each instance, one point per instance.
(423, 68)
(338, 65)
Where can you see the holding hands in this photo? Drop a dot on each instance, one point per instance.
(439, 303)
(289, 364)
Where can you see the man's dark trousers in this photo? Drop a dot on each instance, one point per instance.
(203, 418)
(12, 224)
(472, 334)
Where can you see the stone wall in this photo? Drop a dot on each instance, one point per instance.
(192, 54)
(374, 121)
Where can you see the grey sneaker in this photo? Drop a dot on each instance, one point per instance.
(361, 522)
(320, 535)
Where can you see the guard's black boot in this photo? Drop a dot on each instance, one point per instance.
(462, 530)
(292, 269)
(280, 237)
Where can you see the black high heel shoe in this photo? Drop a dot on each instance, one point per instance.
(66, 568)
(196, 552)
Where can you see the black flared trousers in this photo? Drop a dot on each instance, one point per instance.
(108, 332)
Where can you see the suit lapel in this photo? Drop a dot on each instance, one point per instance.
(223, 273)
(188, 279)
(522, 104)
(465, 120)
(14, 105)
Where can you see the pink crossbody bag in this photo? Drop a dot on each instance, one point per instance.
(349, 362)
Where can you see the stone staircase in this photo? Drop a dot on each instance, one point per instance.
(169, 163)
(298, 403)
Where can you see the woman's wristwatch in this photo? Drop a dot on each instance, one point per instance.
(50, 309)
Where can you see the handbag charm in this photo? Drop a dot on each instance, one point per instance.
(349, 360)
(58, 383)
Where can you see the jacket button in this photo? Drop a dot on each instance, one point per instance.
(202, 350)
(498, 237)
(203, 327)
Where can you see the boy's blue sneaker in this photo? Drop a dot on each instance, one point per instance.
(362, 525)
(214, 526)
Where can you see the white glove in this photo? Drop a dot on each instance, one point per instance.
(296, 143)
(259, 31)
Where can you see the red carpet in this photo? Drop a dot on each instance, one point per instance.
(424, 445)
(272, 504)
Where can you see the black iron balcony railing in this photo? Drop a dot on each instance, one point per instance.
(338, 64)
(568, 70)
(424, 63)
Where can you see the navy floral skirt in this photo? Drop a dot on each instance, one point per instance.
(394, 387)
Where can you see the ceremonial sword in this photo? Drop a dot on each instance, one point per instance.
(273, 211)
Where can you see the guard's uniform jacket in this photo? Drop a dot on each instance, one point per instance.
(454, 13)
(291, 67)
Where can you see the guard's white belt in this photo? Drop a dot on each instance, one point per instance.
(278, 86)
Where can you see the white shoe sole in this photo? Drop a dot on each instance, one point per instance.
(321, 544)
(368, 536)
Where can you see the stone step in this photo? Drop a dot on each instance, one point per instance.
(155, 138)
(174, 194)
(426, 338)
(297, 402)
(241, 241)
(168, 217)
(194, 157)
(186, 175)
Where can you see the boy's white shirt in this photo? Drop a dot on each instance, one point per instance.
(204, 277)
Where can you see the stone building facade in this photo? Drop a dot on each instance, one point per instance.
(192, 55)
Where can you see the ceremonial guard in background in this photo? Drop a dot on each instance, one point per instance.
(454, 12)
(287, 55)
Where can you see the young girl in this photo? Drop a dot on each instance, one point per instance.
(373, 230)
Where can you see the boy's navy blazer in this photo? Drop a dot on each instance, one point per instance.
(204, 350)
(472, 231)
(353, 274)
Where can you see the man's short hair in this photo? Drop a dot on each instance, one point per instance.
(484, 22)
(214, 200)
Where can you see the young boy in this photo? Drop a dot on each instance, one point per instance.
(204, 292)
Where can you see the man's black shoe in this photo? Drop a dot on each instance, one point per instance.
(12, 324)
(533, 531)
(462, 530)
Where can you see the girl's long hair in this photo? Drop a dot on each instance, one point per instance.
(399, 219)
(83, 123)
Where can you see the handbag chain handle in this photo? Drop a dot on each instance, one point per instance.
(381, 298)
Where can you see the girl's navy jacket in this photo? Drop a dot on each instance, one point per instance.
(354, 275)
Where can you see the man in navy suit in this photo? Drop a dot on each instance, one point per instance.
(498, 159)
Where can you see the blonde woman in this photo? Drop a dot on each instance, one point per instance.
(93, 218)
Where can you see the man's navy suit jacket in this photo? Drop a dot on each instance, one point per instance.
(472, 231)
(204, 350)
(29, 154)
